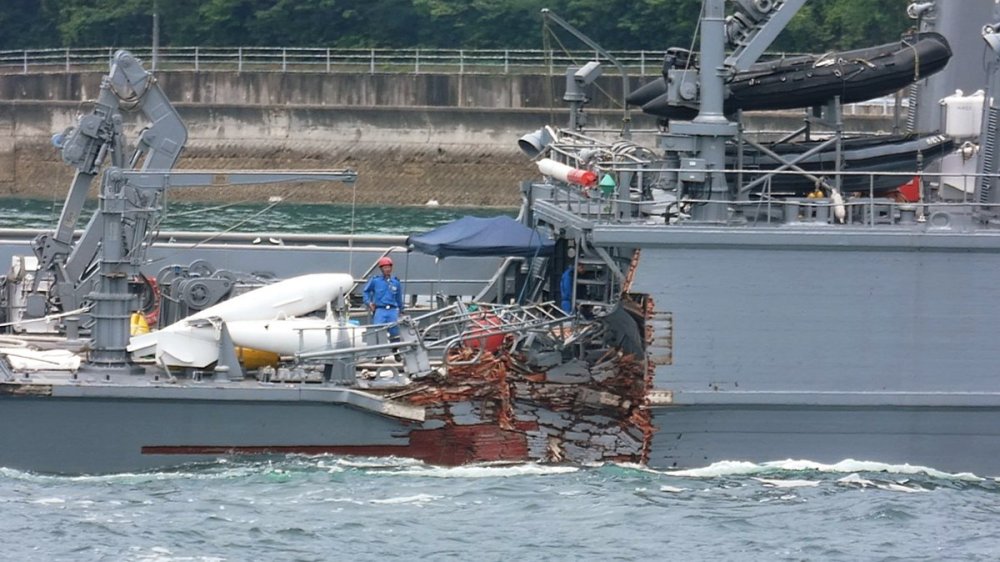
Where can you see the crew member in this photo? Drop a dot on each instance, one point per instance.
(383, 296)
(566, 287)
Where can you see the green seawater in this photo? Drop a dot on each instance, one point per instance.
(263, 217)
(341, 508)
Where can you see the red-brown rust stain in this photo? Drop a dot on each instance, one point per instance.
(447, 446)
(463, 444)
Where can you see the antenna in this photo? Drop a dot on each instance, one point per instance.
(588, 71)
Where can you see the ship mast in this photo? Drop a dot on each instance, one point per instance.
(703, 156)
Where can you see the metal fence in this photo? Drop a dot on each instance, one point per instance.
(302, 59)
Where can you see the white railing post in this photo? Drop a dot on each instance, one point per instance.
(642, 63)
(25, 71)
(327, 60)
(506, 61)
(417, 62)
(461, 61)
(197, 62)
(371, 63)
(284, 59)
(67, 59)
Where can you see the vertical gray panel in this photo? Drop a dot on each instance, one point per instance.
(826, 319)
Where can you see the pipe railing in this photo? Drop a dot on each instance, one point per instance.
(861, 207)
(323, 59)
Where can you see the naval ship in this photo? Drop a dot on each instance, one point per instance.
(730, 296)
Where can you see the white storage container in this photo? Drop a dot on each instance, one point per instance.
(958, 172)
(963, 114)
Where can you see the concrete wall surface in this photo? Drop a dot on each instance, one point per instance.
(412, 138)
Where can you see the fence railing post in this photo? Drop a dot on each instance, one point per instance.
(417, 62)
(67, 59)
(25, 69)
(327, 60)
(506, 61)
(197, 61)
(239, 59)
(371, 64)
(642, 63)
(461, 62)
(284, 60)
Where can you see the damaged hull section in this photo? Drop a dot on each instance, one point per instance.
(515, 403)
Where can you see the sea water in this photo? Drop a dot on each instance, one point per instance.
(276, 216)
(340, 508)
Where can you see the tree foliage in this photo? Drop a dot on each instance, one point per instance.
(821, 25)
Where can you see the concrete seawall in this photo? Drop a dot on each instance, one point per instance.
(411, 137)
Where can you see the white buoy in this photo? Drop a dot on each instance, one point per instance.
(565, 173)
(838, 205)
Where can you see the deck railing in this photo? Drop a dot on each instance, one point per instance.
(859, 208)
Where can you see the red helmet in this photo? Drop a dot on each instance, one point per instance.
(384, 260)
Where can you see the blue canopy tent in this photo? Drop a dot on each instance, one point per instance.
(475, 236)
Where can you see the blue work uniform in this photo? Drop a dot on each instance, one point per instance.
(566, 290)
(387, 296)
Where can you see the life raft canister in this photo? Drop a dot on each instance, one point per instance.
(486, 332)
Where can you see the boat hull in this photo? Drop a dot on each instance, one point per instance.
(820, 344)
(950, 439)
(92, 435)
(811, 80)
(904, 155)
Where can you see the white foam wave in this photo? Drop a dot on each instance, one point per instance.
(419, 498)
(201, 471)
(741, 468)
(343, 500)
(487, 471)
(721, 468)
(375, 462)
(856, 480)
(48, 501)
(779, 483)
(672, 489)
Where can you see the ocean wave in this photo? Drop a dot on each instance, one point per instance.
(418, 499)
(487, 470)
(847, 466)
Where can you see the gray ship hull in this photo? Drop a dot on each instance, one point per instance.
(101, 433)
(951, 439)
(821, 344)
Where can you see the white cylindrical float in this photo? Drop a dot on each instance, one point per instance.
(565, 173)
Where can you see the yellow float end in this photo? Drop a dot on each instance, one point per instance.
(255, 358)
(138, 324)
